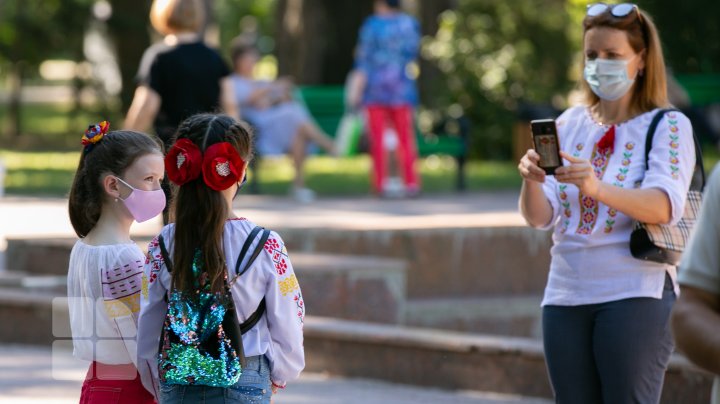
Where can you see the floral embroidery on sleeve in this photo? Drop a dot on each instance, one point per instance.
(620, 182)
(567, 212)
(154, 259)
(300, 307)
(674, 146)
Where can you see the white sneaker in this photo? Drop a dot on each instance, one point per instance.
(302, 195)
(394, 188)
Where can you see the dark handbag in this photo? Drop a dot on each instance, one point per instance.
(665, 243)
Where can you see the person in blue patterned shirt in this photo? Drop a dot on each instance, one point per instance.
(387, 49)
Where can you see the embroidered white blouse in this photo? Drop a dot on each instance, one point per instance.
(279, 333)
(591, 261)
(104, 284)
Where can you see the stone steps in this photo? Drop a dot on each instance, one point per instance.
(457, 361)
(518, 316)
(441, 262)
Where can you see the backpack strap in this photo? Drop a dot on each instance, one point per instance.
(164, 253)
(253, 319)
(697, 183)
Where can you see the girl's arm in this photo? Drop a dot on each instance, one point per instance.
(285, 314)
(152, 315)
(121, 287)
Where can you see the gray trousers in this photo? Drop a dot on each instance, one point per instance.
(613, 353)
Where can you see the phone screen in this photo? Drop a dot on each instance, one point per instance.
(547, 147)
(545, 139)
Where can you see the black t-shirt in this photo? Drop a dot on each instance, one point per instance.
(187, 78)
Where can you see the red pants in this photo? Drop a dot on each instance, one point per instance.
(401, 117)
(113, 384)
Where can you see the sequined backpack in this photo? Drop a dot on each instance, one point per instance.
(201, 340)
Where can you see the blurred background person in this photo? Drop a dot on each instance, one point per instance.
(696, 316)
(283, 125)
(384, 84)
(179, 76)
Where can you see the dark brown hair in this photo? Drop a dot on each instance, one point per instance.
(199, 211)
(117, 151)
(650, 89)
(239, 47)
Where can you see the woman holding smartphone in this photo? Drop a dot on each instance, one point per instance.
(605, 314)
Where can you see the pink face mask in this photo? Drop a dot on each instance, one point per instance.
(144, 205)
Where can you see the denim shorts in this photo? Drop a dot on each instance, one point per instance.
(254, 387)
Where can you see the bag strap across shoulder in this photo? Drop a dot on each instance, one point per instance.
(253, 319)
(164, 253)
(697, 182)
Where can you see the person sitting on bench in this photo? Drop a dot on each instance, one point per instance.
(284, 126)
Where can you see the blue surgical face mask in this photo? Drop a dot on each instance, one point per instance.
(608, 79)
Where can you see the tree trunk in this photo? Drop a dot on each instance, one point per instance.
(129, 27)
(315, 39)
(14, 103)
(431, 79)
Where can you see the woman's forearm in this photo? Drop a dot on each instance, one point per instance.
(534, 206)
(645, 205)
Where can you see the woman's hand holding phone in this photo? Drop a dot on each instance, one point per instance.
(529, 167)
(579, 173)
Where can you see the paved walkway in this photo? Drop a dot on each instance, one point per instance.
(47, 217)
(27, 376)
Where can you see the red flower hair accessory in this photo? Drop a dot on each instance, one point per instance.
(221, 166)
(94, 134)
(183, 162)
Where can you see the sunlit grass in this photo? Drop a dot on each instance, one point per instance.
(51, 173)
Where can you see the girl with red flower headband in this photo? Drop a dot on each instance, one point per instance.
(117, 182)
(196, 256)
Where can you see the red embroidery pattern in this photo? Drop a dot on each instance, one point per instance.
(589, 206)
(279, 255)
(154, 259)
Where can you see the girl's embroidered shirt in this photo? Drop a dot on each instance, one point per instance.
(279, 333)
(104, 284)
(591, 261)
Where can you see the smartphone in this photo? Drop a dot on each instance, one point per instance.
(545, 139)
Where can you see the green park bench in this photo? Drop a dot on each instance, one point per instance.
(449, 137)
(703, 89)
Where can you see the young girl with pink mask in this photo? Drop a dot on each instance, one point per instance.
(117, 182)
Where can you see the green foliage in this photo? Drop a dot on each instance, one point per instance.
(238, 16)
(497, 55)
(51, 173)
(689, 32)
(34, 30)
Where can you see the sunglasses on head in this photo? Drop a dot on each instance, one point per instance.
(616, 10)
